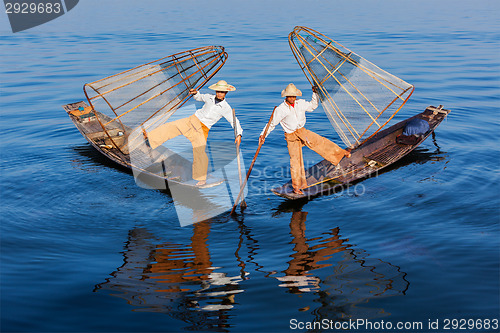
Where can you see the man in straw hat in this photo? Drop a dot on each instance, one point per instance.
(291, 114)
(195, 128)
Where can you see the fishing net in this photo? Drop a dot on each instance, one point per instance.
(147, 95)
(358, 97)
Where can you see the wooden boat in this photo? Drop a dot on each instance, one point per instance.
(375, 154)
(119, 106)
(360, 99)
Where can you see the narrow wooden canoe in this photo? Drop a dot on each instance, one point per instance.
(375, 154)
(153, 164)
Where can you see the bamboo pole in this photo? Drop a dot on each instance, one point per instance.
(243, 204)
(253, 162)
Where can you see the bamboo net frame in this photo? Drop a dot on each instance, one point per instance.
(143, 95)
(355, 94)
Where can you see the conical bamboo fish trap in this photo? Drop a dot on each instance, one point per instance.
(358, 97)
(150, 93)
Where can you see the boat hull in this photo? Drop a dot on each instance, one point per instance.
(158, 166)
(375, 154)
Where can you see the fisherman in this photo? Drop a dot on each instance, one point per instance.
(291, 114)
(195, 128)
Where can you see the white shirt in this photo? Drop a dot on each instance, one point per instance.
(292, 118)
(211, 112)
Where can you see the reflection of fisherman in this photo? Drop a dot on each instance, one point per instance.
(195, 128)
(291, 114)
(155, 276)
(299, 276)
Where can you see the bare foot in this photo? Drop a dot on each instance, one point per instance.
(201, 183)
(298, 191)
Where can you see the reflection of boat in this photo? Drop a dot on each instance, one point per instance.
(342, 276)
(360, 99)
(174, 278)
(180, 278)
(144, 97)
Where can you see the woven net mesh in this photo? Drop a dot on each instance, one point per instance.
(358, 97)
(149, 94)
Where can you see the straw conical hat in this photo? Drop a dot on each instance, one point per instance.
(291, 90)
(222, 86)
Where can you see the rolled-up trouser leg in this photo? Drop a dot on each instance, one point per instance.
(192, 129)
(329, 150)
(297, 171)
(198, 140)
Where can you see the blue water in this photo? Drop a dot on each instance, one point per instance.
(84, 249)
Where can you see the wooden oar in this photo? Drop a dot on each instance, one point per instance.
(253, 162)
(243, 204)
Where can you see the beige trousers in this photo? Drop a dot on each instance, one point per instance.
(303, 137)
(195, 131)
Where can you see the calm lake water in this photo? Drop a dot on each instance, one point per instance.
(84, 249)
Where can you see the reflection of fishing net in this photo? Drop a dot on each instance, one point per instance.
(358, 97)
(125, 101)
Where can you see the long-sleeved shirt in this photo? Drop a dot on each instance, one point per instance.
(290, 117)
(211, 112)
